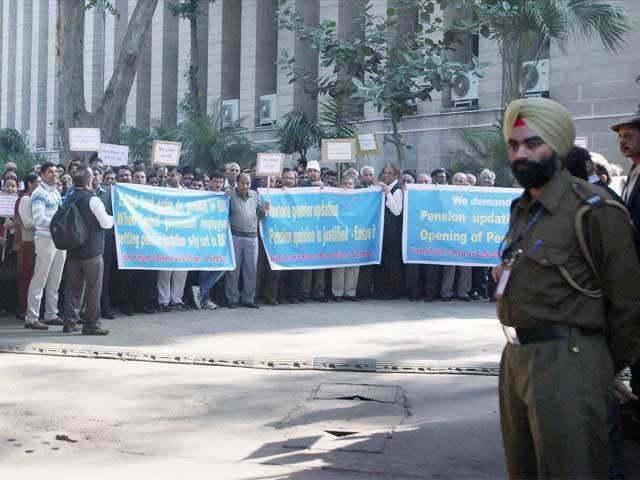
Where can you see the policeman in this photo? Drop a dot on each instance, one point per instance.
(568, 300)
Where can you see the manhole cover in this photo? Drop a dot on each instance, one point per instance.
(350, 391)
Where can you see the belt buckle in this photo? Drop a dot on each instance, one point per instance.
(511, 334)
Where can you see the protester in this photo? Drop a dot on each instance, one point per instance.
(171, 283)
(424, 179)
(471, 179)
(367, 175)
(629, 137)
(244, 213)
(388, 277)
(162, 176)
(267, 279)
(365, 275)
(109, 178)
(290, 288)
(314, 281)
(449, 271)
(487, 178)
(24, 220)
(482, 284)
(8, 256)
(344, 280)
(571, 324)
(45, 201)
(439, 176)
(84, 275)
(232, 170)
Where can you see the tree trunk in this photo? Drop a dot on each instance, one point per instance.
(197, 95)
(397, 139)
(110, 112)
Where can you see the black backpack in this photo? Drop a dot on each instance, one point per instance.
(68, 229)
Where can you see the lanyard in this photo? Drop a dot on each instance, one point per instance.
(532, 222)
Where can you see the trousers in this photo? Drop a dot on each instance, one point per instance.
(24, 279)
(47, 274)
(171, 286)
(246, 251)
(554, 403)
(448, 276)
(84, 285)
(344, 281)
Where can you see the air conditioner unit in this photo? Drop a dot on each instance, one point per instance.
(268, 111)
(464, 90)
(230, 112)
(536, 76)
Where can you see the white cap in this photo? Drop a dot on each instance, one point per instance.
(313, 165)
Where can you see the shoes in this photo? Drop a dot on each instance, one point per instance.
(446, 299)
(387, 297)
(293, 300)
(87, 330)
(250, 305)
(302, 300)
(54, 322)
(178, 306)
(36, 326)
(148, 309)
(320, 299)
(164, 308)
(127, 311)
(232, 305)
(348, 298)
(466, 298)
(337, 299)
(108, 315)
(208, 305)
(197, 298)
(70, 327)
(429, 299)
(272, 302)
(20, 316)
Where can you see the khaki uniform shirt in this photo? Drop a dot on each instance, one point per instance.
(538, 294)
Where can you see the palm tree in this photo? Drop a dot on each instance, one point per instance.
(483, 149)
(298, 134)
(522, 26)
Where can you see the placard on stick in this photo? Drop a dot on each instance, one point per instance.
(7, 204)
(367, 143)
(270, 164)
(166, 153)
(84, 139)
(338, 150)
(114, 155)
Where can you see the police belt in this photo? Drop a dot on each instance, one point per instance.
(527, 335)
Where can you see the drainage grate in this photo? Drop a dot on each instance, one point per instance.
(351, 391)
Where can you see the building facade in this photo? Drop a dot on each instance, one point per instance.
(239, 43)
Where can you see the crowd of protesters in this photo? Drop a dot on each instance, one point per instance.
(32, 268)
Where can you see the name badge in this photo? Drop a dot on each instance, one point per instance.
(503, 282)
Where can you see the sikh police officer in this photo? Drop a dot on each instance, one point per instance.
(568, 300)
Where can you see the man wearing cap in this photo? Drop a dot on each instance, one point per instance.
(629, 136)
(556, 300)
(313, 281)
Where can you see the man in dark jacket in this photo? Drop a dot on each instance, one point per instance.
(84, 269)
(629, 136)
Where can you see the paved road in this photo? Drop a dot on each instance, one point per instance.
(74, 418)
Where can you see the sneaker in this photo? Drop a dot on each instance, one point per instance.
(208, 305)
(70, 327)
(86, 330)
(197, 298)
(108, 315)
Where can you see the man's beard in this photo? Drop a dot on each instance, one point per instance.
(532, 174)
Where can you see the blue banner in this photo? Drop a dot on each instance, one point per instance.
(171, 229)
(308, 228)
(452, 225)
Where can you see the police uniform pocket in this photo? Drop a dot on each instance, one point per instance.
(548, 256)
(544, 279)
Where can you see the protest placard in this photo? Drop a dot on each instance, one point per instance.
(84, 139)
(310, 228)
(367, 143)
(269, 164)
(171, 228)
(166, 153)
(452, 225)
(338, 150)
(7, 204)
(114, 155)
